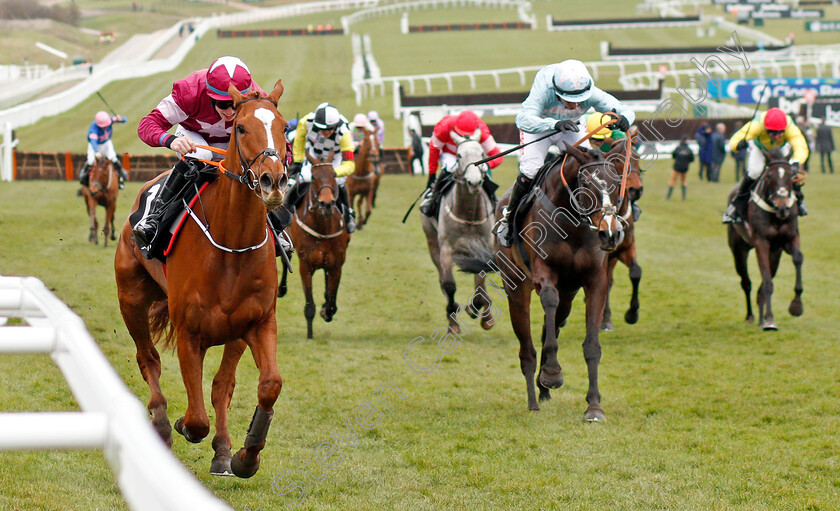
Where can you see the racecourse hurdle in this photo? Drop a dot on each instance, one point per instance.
(112, 419)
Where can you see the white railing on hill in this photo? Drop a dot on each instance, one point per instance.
(112, 419)
(618, 24)
(523, 7)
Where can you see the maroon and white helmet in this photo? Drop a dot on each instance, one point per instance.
(225, 71)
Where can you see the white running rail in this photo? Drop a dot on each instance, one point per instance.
(149, 476)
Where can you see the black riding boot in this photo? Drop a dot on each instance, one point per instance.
(504, 231)
(349, 214)
(84, 174)
(800, 199)
(490, 188)
(278, 220)
(122, 173)
(737, 210)
(147, 227)
(431, 203)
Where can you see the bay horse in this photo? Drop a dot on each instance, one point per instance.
(465, 219)
(626, 250)
(361, 184)
(573, 224)
(320, 238)
(102, 190)
(218, 287)
(772, 226)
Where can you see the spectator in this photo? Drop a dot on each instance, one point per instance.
(808, 133)
(704, 140)
(683, 156)
(718, 151)
(825, 145)
(416, 151)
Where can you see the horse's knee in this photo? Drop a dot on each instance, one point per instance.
(635, 272)
(549, 297)
(269, 389)
(309, 310)
(448, 288)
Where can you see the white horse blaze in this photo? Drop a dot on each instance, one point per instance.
(267, 117)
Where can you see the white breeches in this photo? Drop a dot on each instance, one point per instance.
(532, 157)
(106, 149)
(201, 154)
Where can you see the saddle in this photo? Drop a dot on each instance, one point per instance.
(173, 216)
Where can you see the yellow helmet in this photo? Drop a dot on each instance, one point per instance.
(596, 119)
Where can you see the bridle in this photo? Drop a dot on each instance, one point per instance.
(612, 209)
(373, 159)
(458, 174)
(99, 189)
(760, 201)
(312, 206)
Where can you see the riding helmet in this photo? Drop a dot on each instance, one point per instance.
(775, 120)
(327, 117)
(224, 72)
(572, 81)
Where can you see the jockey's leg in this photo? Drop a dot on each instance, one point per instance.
(349, 214)
(146, 229)
(278, 219)
(431, 202)
(490, 188)
(83, 175)
(121, 171)
(505, 230)
(736, 212)
(800, 199)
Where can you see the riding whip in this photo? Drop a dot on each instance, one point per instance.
(755, 112)
(520, 146)
(413, 204)
(106, 104)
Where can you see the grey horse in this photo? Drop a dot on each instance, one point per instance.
(465, 220)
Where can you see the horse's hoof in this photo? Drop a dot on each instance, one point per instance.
(594, 414)
(607, 326)
(551, 381)
(220, 466)
(487, 323)
(631, 316)
(795, 308)
(769, 326)
(545, 395)
(455, 328)
(471, 312)
(281, 291)
(534, 408)
(180, 428)
(750, 319)
(242, 468)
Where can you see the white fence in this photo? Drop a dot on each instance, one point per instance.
(620, 25)
(377, 9)
(112, 418)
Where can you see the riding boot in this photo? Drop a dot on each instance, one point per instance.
(800, 199)
(504, 231)
(83, 175)
(490, 188)
(122, 173)
(146, 229)
(737, 210)
(431, 202)
(349, 214)
(278, 220)
(637, 211)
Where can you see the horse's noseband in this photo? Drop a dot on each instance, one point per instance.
(248, 177)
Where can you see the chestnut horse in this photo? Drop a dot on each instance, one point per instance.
(102, 190)
(626, 250)
(464, 221)
(361, 184)
(320, 238)
(218, 287)
(772, 226)
(574, 222)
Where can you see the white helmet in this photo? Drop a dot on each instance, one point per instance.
(572, 81)
(327, 117)
(360, 120)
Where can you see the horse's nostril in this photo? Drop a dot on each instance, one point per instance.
(266, 181)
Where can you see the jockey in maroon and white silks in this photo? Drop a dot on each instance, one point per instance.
(191, 107)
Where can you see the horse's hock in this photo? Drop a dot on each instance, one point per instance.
(143, 167)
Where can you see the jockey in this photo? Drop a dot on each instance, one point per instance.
(291, 130)
(378, 125)
(560, 95)
(99, 141)
(203, 110)
(357, 130)
(320, 133)
(772, 130)
(607, 136)
(442, 151)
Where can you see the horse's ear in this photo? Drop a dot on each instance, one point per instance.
(576, 153)
(275, 94)
(456, 137)
(235, 95)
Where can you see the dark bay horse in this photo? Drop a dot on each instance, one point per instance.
(575, 221)
(218, 287)
(320, 238)
(102, 190)
(361, 184)
(626, 250)
(465, 219)
(772, 227)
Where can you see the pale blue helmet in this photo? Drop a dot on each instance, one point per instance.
(572, 81)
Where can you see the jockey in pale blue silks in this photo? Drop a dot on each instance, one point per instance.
(560, 96)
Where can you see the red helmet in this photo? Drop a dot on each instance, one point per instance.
(224, 72)
(775, 120)
(466, 123)
(103, 120)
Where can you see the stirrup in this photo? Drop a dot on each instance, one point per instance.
(284, 242)
(503, 229)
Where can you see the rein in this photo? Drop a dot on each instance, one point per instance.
(759, 200)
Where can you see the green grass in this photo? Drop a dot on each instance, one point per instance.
(703, 410)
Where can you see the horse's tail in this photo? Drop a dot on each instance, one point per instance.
(477, 259)
(160, 326)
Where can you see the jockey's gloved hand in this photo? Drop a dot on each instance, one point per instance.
(483, 167)
(741, 145)
(795, 166)
(567, 125)
(622, 123)
(431, 182)
(294, 168)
